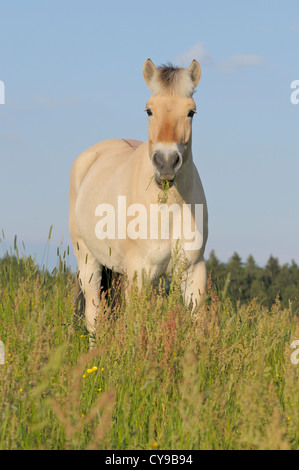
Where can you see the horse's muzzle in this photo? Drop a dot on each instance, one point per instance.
(166, 166)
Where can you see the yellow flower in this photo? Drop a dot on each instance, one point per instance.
(288, 418)
(82, 415)
(21, 390)
(102, 369)
(99, 389)
(292, 404)
(83, 376)
(93, 369)
(154, 445)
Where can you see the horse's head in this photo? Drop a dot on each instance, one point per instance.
(170, 110)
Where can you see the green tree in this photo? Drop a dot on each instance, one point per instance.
(216, 270)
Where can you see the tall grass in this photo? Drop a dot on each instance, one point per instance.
(159, 377)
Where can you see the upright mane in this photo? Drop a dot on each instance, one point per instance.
(172, 80)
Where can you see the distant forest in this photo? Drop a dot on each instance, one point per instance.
(245, 281)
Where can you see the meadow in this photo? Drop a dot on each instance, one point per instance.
(158, 378)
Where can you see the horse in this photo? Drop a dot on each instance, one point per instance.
(114, 179)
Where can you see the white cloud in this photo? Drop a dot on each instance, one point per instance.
(238, 61)
(197, 52)
(230, 64)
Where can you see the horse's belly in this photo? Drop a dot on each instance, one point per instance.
(148, 255)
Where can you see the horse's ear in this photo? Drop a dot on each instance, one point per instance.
(149, 69)
(195, 72)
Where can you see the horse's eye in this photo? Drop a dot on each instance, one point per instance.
(149, 112)
(191, 113)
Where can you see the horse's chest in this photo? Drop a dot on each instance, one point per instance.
(159, 253)
(159, 256)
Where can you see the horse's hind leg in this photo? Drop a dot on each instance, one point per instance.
(89, 275)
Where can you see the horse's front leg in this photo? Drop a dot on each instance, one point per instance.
(134, 275)
(194, 283)
(90, 275)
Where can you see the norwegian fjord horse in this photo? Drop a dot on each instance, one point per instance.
(136, 171)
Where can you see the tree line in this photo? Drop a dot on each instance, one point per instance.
(246, 280)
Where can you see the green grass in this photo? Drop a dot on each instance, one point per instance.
(159, 377)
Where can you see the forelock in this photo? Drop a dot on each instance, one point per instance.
(171, 80)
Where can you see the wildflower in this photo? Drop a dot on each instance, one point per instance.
(84, 376)
(103, 368)
(21, 390)
(154, 445)
(82, 415)
(289, 418)
(99, 389)
(292, 404)
(93, 369)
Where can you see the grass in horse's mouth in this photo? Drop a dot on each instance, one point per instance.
(165, 185)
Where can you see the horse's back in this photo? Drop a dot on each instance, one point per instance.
(98, 151)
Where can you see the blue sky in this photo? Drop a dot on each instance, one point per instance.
(73, 77)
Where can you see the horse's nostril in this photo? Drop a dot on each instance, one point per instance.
(158, 161)
(176, 160)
